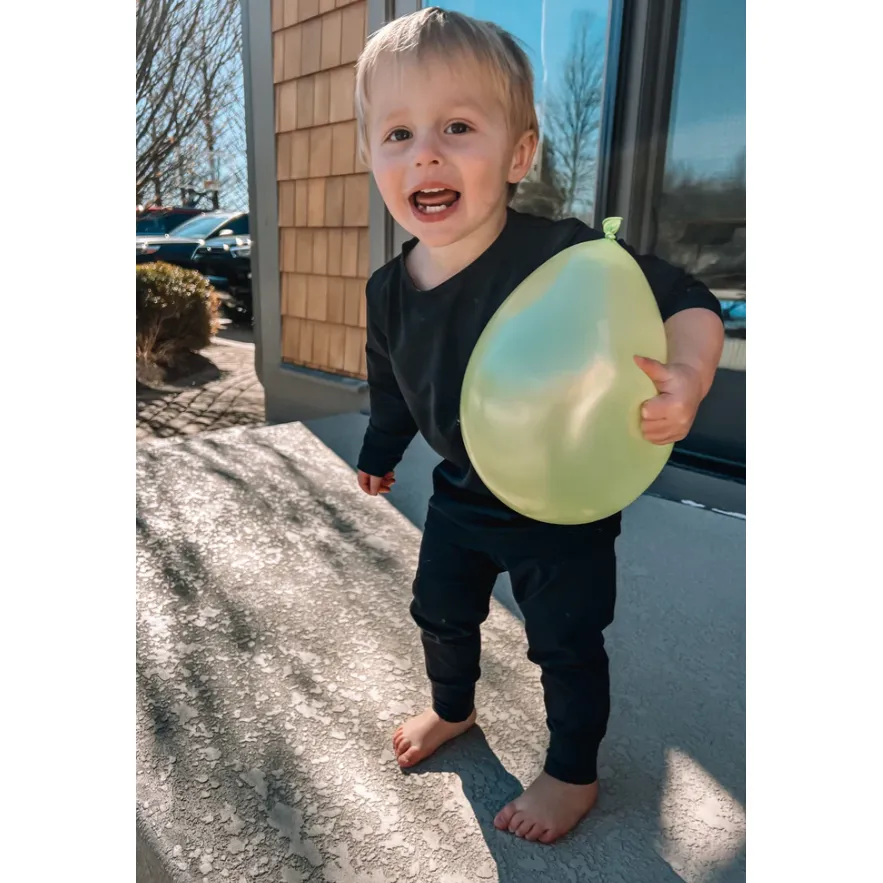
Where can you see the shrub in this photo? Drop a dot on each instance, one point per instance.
(176, 312)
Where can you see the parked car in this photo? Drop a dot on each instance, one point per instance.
(162, 220)
(226, 262)
(178, 247)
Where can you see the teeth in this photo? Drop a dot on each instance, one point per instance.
(432, 209)
(433, 190)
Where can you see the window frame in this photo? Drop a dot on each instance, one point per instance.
(637, 153)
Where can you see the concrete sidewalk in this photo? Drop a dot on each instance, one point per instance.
(275, 655)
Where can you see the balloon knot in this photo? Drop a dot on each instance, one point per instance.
(610, 226)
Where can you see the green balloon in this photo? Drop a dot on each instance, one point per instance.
(550, 408)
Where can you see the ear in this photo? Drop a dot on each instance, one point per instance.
(522, 157)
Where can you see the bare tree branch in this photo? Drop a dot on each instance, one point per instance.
(188, 59)
(166, 64)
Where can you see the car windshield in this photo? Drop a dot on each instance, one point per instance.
(201, 228)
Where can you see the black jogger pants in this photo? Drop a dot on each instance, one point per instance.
(567, 597)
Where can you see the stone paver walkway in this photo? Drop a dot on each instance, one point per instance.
(235, 398)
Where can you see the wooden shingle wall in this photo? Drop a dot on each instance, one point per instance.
(323, 189)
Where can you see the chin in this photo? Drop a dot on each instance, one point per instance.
(435, 237)
(434, 234)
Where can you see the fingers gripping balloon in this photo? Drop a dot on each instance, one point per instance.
(551, 398)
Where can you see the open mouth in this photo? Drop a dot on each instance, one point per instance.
(434, 200)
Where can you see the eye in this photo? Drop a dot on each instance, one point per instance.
(398, 135)
(458, 129)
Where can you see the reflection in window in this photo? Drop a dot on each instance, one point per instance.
(565, 42)
(700, 212)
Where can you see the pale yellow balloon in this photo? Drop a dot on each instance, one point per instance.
(550, 408)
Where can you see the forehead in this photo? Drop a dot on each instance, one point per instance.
(404, 84)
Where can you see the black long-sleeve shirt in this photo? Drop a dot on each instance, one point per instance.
(419, 344)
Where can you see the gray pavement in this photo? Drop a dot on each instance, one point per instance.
(275, 656)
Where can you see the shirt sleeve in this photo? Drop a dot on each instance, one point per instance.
(674, 289)
(391, 426)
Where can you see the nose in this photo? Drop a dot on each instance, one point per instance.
(426, 151)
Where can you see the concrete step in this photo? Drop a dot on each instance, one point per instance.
(275, 655)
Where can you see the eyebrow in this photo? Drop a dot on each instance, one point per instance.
(465, 108)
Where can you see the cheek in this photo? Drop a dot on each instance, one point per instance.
(388, 177)
(483, 172)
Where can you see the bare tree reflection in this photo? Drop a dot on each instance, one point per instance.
(701, 224)
(539, 193)
(562, 182)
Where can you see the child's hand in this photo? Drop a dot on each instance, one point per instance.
(667, 418)
(373, 485)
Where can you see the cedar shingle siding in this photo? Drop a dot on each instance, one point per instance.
(323, 189)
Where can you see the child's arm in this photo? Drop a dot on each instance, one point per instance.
(695, 340)
(695, 336)
(391, 426)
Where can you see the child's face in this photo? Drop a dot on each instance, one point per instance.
(436, 127)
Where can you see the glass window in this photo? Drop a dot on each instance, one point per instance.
(239, 225)
(151, 227)
(160, 224)
(202, 227)
(565, 41)
(700, 211)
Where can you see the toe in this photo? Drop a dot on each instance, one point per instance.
(549, 836)
(409, 757)
(396, 740)
(535, 831)
(524, 827)
(504, 816)
(403, 745)
(516, 820)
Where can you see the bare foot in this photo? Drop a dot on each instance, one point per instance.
(420, 736)
(547, 810)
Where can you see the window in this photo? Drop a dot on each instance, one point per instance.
(566, 42)
(700, 208)
(151, 227)
(158, 224)
(203, 227)
(239, 225)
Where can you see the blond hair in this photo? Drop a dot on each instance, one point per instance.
(440, 34)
